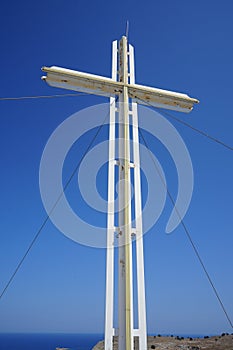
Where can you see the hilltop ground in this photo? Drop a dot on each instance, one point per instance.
(222, 342)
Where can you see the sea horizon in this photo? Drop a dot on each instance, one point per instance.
(72, 341)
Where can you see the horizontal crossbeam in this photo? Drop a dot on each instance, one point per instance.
(99, 85)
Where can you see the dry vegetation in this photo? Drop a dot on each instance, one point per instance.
(222, 342)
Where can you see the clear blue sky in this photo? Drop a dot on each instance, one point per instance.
(180, 45)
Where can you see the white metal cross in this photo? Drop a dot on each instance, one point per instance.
(122, 85)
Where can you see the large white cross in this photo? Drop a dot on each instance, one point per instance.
(122, 86)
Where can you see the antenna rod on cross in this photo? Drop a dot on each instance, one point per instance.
(127, 30)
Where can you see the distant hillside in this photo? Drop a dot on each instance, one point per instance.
(222, 342)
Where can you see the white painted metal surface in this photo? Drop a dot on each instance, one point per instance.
(125, 217)
(109, 296)
(141, 302)
(127, 112)
(98, 85)
(124, 87)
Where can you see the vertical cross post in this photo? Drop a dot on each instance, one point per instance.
(109, 297)
(124, 114)
(124, 288)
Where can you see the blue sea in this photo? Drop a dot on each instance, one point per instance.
(12, 341)
(51, 341)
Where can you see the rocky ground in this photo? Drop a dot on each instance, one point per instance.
(222, 342)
